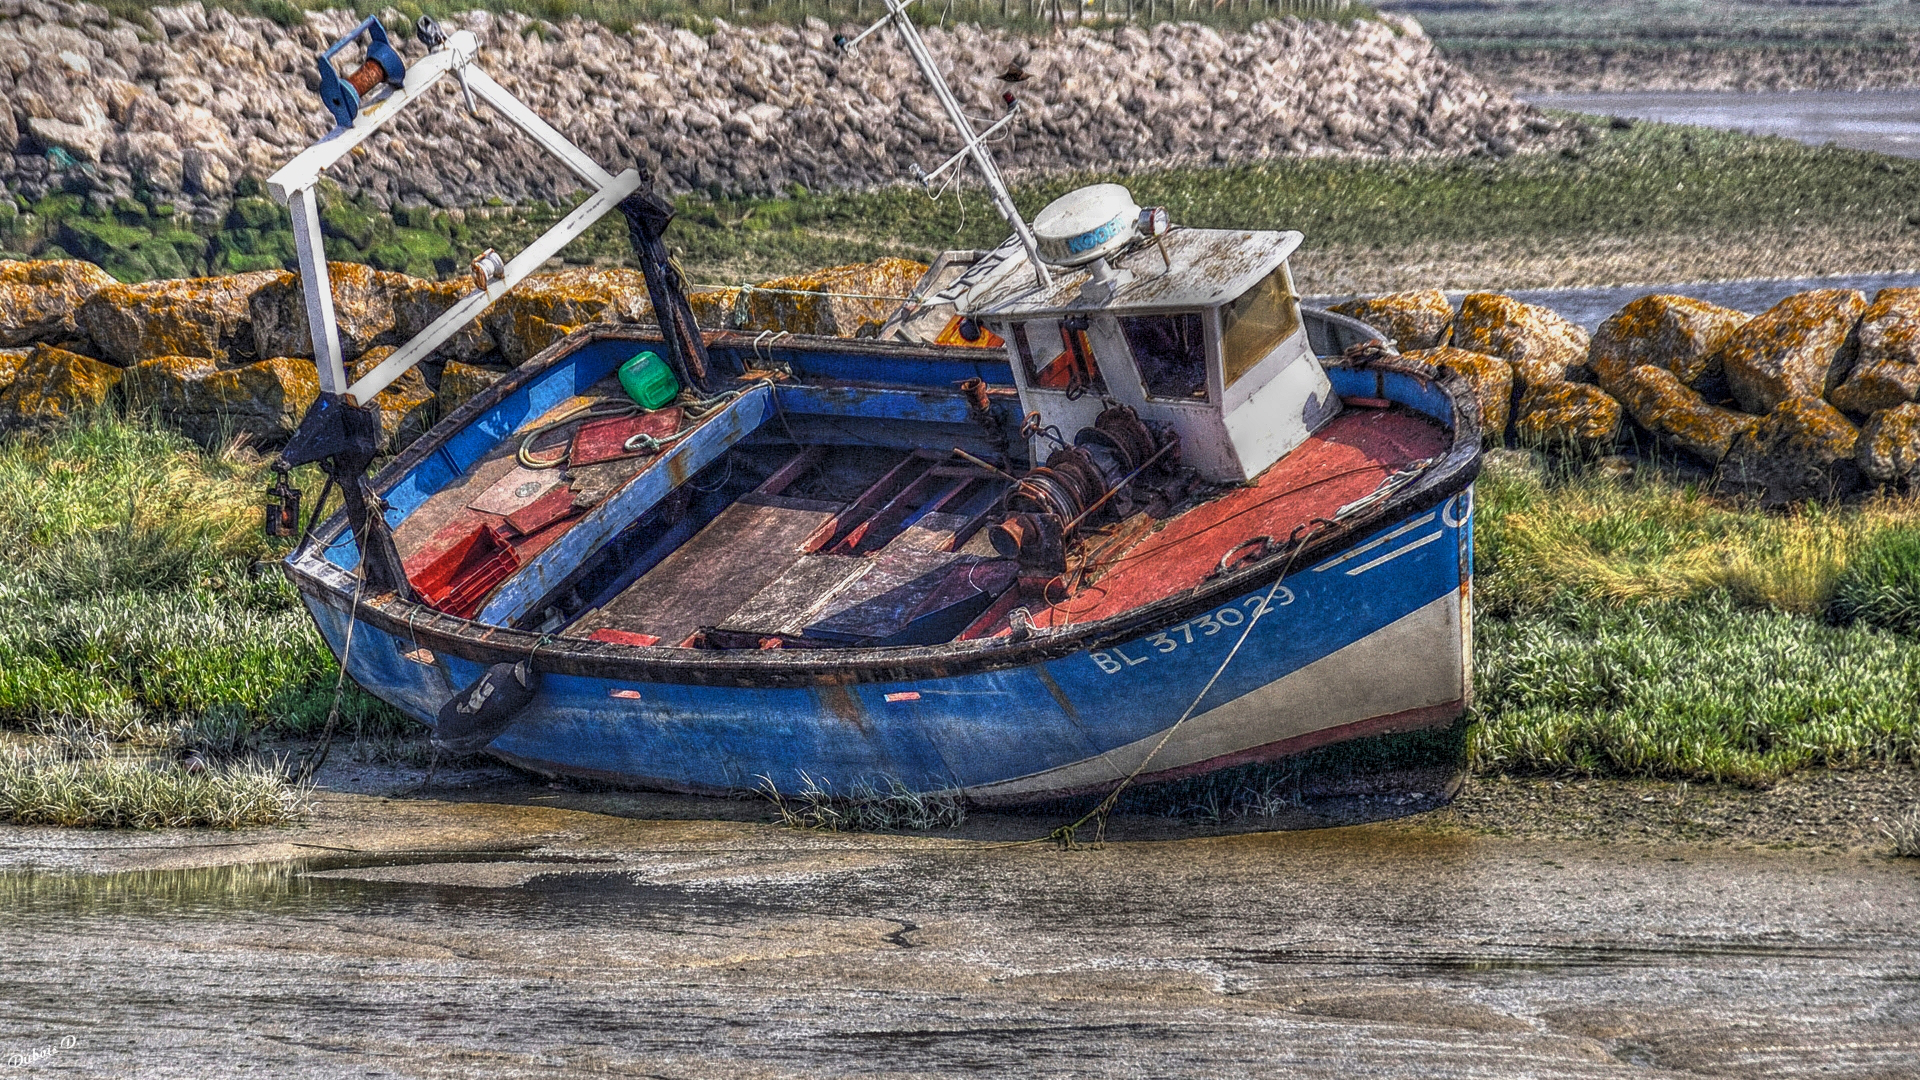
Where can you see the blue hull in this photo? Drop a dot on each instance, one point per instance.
(1364, 633)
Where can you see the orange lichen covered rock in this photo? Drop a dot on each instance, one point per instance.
(547, 307)
(1878, 385)
(362, 309)
(54, 386)
(1542, 347)
(406, 406)
(1678, 333)
(1415, 320)
(459, 381)
(1803, 449)
(416, 304)
(1890, 327)
(11, 361)
(1664, 405)
(210, 404)
(1575, 415)
(1791, 350)
(713, 308)
(834, 302)
(1887, 372)
(181, 317)
(1490, 377)
(38, 299)
(1889, 448)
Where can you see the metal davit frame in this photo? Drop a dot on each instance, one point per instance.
(293, 186)
(342, 430)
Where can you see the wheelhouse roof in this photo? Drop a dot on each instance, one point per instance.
(1209, 267)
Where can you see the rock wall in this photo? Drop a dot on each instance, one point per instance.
(182, 102)
(1813, 398)
(222, 356)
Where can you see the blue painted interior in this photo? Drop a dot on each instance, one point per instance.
(739, 419)
(1421, 395)
(811, 364)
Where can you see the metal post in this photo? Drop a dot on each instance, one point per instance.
(990, 172)
(305, 211)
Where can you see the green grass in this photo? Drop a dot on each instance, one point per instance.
(144, 622)
(1881, 585)
(133, 571)
(1904, 831)
(1700, 689)
(864, 806)
(1546, 530)
(41, 787)
(1651, 180)
(1651, 629)
(1667, 23)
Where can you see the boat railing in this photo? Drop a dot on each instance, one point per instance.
(1332, 334)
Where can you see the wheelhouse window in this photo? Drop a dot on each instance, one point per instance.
(1072, 369)
(1171, 353)
(1253, 325)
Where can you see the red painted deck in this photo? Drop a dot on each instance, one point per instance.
(1346, 460)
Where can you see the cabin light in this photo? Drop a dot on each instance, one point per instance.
(1154, 223)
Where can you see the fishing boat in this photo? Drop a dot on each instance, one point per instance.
(1105, 504)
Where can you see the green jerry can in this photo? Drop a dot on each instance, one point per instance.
(649, 381)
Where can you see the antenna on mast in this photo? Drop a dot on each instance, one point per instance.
(975, 147)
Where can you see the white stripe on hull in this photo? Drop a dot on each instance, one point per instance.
(1414, 662)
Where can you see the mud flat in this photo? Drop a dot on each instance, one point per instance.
(1885, 121)
(428, 938)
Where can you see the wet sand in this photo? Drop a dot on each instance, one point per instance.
(426, 938)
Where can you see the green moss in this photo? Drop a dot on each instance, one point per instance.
(97, 240)
(59, 204)
(241, 250)
(349, 221)
(413, 217)
(254, 212)
(150, 259)
(420, 252)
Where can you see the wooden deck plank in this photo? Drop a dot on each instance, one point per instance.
(739, 553)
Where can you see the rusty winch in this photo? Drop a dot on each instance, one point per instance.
(382, 66)
(1078, 482)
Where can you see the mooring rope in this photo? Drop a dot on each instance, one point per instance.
(1065, 833)
(318, 756)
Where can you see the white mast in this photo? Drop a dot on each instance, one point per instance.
(975, 141)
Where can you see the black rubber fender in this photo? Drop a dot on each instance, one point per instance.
(479, 714)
